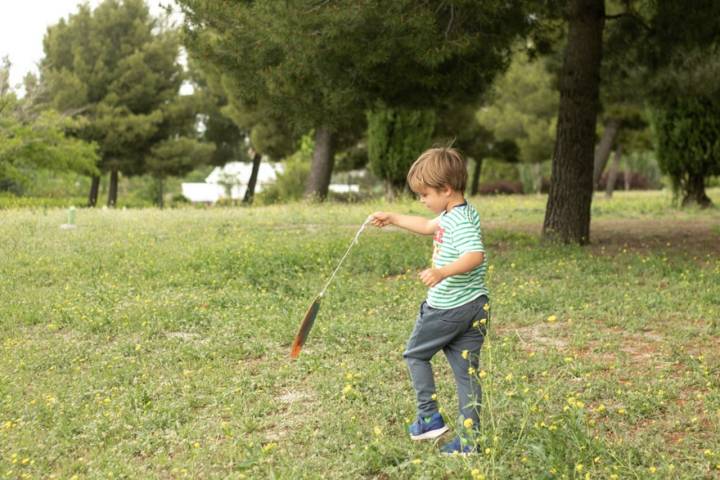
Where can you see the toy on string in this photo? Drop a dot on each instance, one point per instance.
(309, 319)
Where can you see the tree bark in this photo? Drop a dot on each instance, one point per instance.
(695, 192)
(602, 151)
(475, 182)
(627, 177)
(567, 217)
(322, 164)
(112, 189)
(160, 190)
(94, 190)
(391, 191)
(250, 190)
(613, 172)
(537, 177)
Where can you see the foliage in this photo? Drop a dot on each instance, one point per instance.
(30, 141)
(687, 131)
(117, 66)
(217, 127)
(320, 65)
(290, 183)
(395, 139)
(498, 169)
(522, 108)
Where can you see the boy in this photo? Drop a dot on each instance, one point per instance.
(453, 317)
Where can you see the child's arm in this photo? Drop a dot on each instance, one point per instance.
(464, 264)
(421, 225)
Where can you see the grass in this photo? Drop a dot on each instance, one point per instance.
(154, 344)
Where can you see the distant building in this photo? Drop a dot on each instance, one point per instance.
(233, 178)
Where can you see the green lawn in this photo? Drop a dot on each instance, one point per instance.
(154, 344)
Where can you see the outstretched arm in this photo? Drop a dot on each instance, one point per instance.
(416, 224)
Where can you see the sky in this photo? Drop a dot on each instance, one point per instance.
(23, 25)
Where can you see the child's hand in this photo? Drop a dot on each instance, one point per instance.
(431, 276)
(381, 219)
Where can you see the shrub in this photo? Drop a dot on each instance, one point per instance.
(500, 187)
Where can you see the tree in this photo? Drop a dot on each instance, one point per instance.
(395, 139)
(175, 157)
(522, 108)
(320, 65)
(242, 132)
(683, 66)
(567, 216)
(30, 140)
(659, 40)
(687, 132)
(117, 67)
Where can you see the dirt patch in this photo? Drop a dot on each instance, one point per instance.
(293, 396)
(187, 336)
(645, 348)
(542, 336)
(292, 408)
(690, 236)
(694, 237)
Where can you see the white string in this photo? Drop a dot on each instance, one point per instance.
(354, 241)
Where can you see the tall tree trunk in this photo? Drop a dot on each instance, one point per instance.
(537, 177)
(602, 151)
(94, 190)
(567, 216)
(112, 189)
(695, 192)
(160, 192)
(322, 164)
(627, 176)
(475, 182)
(613, 172)
(391, 191)
(250, 190)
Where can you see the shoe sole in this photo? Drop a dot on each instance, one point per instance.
(431, 434)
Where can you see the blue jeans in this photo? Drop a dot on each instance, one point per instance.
(451, 331)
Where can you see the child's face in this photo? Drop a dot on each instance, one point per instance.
(434, 199)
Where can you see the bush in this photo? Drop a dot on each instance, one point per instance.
(12, 201)
(290, 184)
(637, 181)
(497, 187)
(493, 170)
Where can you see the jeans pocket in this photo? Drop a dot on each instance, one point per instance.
(456, 316)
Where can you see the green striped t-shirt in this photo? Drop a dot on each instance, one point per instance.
(458, 233)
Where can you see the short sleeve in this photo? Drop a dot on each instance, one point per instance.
(466, 237)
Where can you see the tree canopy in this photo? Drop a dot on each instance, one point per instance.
(31, 140)
(321, 65)
(117, 66)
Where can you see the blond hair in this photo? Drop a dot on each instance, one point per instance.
(438, 168)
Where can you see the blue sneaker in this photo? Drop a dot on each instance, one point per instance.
(458, 446)
(426, 428)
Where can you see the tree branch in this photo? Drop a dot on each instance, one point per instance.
(632, 16)
(452, 17)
